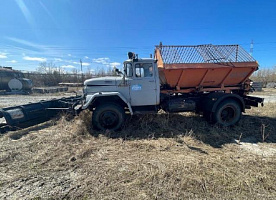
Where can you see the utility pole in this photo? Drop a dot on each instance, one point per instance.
(251, 48)
(81, 71)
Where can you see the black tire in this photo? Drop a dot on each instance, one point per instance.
(227, 113)
(108, 117)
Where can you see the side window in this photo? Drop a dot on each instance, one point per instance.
(129, 71)
(143, 70)
(139, 71)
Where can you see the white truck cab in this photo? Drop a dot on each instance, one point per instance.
(109, 97)
(143, 79)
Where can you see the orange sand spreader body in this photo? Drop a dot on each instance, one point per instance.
(204, 68)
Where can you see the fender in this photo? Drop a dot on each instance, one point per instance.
(214, 99)
(91, 97)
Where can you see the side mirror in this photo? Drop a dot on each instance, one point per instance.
(117, 71)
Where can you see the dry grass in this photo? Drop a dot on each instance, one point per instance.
(154, 157)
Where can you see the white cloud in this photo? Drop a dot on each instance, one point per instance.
(3, 55)
(27, 43)
(85, 64)
(104, 61)
(78, 63)
(58, 59)
(11, 61)
(86, 57)
(34, 59)
(26, 12)
(39, 49)
(68, 61)
(69, 55)
(114, 64)
(68, 66)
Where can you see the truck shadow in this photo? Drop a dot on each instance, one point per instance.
(252, 129)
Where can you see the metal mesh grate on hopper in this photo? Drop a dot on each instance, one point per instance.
(204, 54)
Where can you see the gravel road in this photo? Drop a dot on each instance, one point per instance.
(269, 95)
(267, 98)
(15, 100)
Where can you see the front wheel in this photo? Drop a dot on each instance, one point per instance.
(108, 116)
(227, 113)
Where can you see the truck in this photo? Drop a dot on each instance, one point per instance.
(210, 80)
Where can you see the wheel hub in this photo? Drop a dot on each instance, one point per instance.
(108, 119)
(228, 114)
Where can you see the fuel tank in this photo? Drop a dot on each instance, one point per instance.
(11, 80)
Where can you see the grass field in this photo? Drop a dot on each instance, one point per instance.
(176, 156)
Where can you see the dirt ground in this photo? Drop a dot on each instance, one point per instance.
(176, 156)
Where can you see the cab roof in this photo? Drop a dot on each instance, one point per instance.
(140, 60)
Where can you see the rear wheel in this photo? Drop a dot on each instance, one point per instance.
(108, 116)
(227, 113)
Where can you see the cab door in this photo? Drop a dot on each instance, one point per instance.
(143, 86)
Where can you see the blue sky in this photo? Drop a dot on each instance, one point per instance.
(101, 32)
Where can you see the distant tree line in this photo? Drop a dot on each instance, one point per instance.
(265, 75)
(47, 74)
